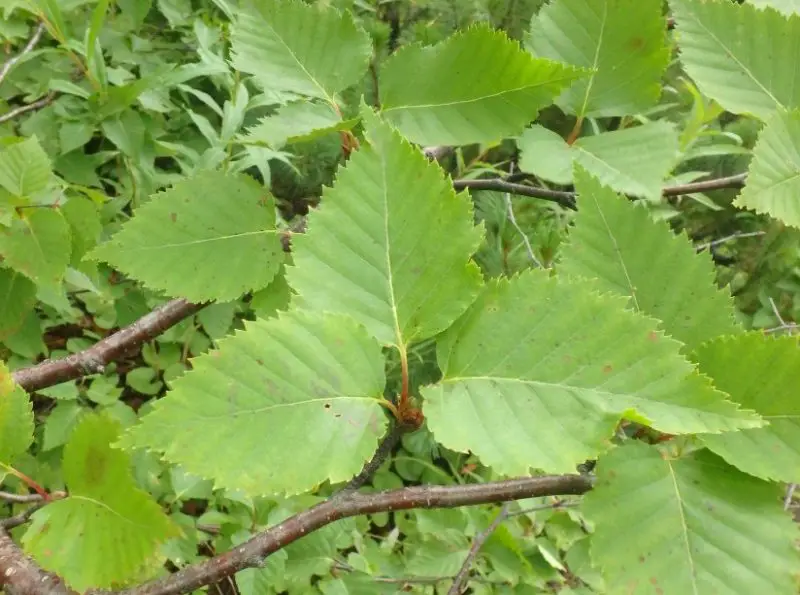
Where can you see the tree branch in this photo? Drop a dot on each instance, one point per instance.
(19, 575)
(382, 453)
(477, 543)
(94, 359)
(252, 553)
(11, 62)
(38, 104)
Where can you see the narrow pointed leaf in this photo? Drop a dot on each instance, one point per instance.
(38, 246)
(685, 525)
(622, 42)
(25, 168)
(209, 237)
(108, 530)
(722, 48)
(296, 122)
(535, 355)
(760, 373)
(476, 86)
(618, 244)
(773, 182)
(390, 245)
(298, 379)
(633, 161)
(16, 419)
(290, 46)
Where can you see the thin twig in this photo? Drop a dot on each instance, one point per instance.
(787, 501)
(382, 453)
(513, 220)
(436, 152)
(733, 236)
(38, 104)
(251, 554)
(20, 498)
(94, 359)
(22, 517)
(11, 62)
(415, 580)
(459, 583)
(558, 505)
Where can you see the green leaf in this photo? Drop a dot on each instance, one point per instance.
(476, 86)
(773, 181)
(295, 122)
(25, 168)
(688, 526)
(209, 237)
(786, 7)
(722, 49)
(290, 46)
(37, 245)
(760, 373)
(536, 354)
(633, 161)
(618, 243)
(622, 42)
(17, 299)
(298, 379)
(390, 245)
(16, 418)
(108, 530)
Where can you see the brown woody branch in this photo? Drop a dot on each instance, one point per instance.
(19, 575)
(18, 111)
(461, 579)
(252, 553)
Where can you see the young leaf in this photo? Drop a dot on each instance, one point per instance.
(391, 244)
(476, 86)
(114, 527)
(25, 168)
(535, 355)
(628, 253)
(773, 182)
(290, 46)
(295, 122)
(721, 46)
(16, 418)
(633, 161)
(17, 298)
(685, 525)
(37, 245)
(209, 237)
(296, 380)
(623, 43)
(763, 374)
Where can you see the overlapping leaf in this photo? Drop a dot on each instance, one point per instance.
(537, 362)
(108, 530)
(686, 525)
(390, 245)
(476, 86)
(787, 7)
(298, 121)
(763, 374)
(294, 400)
(211, 236)
(25, 168)
(294, 47)
(16, 418)
(17, 298)
(622, 42)
(628, 253)
(773, 182)
(37, 245)
(722, 48)
(634, 161)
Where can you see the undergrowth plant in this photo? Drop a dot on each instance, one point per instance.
(375, 322)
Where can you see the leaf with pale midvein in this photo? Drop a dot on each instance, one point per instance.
(297, 122)
(38, 245)
(290, 46)
(773, 181)
(16, 419)
(108, 530)
(633, 161)
(538, 361)
(210, 237)
(622, 42)
(722, 47)
(761, 373)
(25, 168)
(476, 86)
(617, 243)
(309, 384)
(391, 244)
(690, 525)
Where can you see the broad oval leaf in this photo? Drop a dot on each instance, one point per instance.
(787, 7)
(773, 181)
(25, 168)
(17, 300)
(761, 373)
(617, 243)
(306, 383)
(115, 527)
(688, 524)
(16, 419)
(721, 47)
(391, 244)
(290, 46)
(209, 237)
(38, 245)
(536, 355)
(476, 86)
(622, 42)
(296, 122)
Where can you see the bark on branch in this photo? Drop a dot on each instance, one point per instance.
(19, 575)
